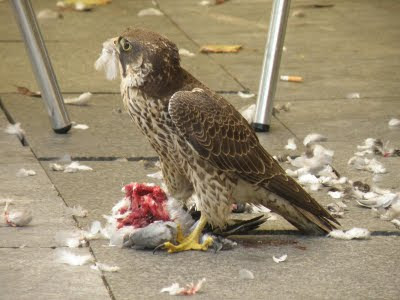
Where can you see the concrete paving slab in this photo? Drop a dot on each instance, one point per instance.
(79, 75)
(110, 133)
(313, 263)
(34, 273)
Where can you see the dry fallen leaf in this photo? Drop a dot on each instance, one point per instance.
(220, 48)
(27, 92)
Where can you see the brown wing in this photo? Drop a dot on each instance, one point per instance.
(219, 134)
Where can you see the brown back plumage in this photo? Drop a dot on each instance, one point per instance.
(219, 134)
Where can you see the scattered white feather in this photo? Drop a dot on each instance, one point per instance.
(354, 233)
(77, 211)
(185, 52)
(204, 3)
(75, 166)
(308, 179)
(394, 123)
(335, 195)
(246, 274)
(17, 217)
(108, 60)
(392, 213)
(321, 157)
(80, 126)
(82, 99)
(15, 129)
(56, 167)
(372, 199)
(279, 259)
(104, 267)
(245, 95)
(313, 138)
(291, 145)
(25, 173)
(71, 239)
(248, 113)
(353, 96)
(190, 289)
(150, 12)
(69, 258)
(157, 175)
(370, 165)
(396, 223)
(48, 14)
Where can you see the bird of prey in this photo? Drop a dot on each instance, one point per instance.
(206, 147)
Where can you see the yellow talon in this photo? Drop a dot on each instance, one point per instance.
(191, 242)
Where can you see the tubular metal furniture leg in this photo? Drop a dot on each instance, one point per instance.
(41, 65)
(270, 69)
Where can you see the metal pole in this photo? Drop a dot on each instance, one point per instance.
(41, 65)
(272, 60)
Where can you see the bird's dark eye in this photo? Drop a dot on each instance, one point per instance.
(125, 45)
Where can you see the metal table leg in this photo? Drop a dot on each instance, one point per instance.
(41, 65)
(270, 70)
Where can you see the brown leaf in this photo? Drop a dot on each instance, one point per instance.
(220, 48)
(27, 92)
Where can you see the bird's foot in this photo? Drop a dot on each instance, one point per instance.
(189, 243)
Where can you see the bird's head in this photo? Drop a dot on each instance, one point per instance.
(145, 60)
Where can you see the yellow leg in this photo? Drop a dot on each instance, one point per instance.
(191, 242)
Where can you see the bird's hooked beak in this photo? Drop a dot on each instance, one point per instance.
(116, 42)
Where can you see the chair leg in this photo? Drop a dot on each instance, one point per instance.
(41, 65)
(270, 69)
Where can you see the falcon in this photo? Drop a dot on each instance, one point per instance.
(206, 148)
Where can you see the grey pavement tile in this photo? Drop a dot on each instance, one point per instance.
(35, 274)
(311, 271)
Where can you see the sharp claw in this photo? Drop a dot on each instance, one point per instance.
(158, 248)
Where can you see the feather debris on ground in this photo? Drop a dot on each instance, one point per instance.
(15, 129)
(69, 258)
(248, 113)
(279, 259)
(70, 239)
(396, 222)
(75, 166)
(394, 123)
(353, 96)
(150, 12)
(185, 52)
(282, 108)
(80, 126)
(56, 167)
(189, 290)
(245, 94)
(104, 267)
(313, 138)
(246, 274)
(82, 99)
(17, 217)
(354, 233)
(291, 144)
(157, 175)
(77, 211)
(370, 165)
(25, 173)
(337, 209)
(49, 14)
